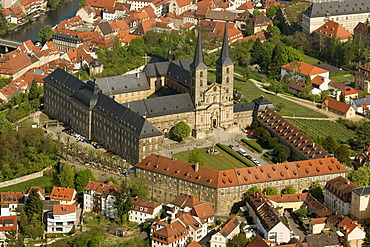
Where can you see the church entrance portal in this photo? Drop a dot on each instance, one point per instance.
(214, 122)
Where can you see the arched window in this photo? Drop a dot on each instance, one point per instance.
(227, 70)
(201, 74)
(227, 90)
(214, 99)
(201, 83)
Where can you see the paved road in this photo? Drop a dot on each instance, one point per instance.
(295, 228)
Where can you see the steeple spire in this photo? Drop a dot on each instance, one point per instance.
(198, 62)
(224, 58)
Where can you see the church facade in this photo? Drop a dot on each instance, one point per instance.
(144, 106)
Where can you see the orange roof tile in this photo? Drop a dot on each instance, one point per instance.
(184, 200)
(305, 68)
(246, 5)
(64, 194)
(337, 105)
(143, 206)
(315, 221)
(6, 223)
(299, 197)
(12, 197)
(194, 244)
(332, 29)
(350, 91)
(318, 80)
(183, 3)
(38, 188)
(170, 232)
(229, 227)
(63, 209)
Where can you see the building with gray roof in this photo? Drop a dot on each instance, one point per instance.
(348, 13)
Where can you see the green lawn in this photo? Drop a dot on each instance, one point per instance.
(309, 60)
(321, 128)
(345, 76)
(295, 10)
(251, 91)
(221, 161)
(27, 122)
(43, 182)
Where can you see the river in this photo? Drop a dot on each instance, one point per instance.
(66, 10)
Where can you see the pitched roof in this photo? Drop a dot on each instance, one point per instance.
(362, 28)
(241, 176)
(105, 28)
(183, 3)
(203, 211)
(63, 209)
(229, 227)
(335, 8)
(170, 232)
(362, 191)
(103, 188)
(299, 197)
(298, 85)
(336, 85)
(143, 206)
(12, 197)
(184, 200)
(198, 62)
(304, 68)
(246, 5)
(194, 244)
(38, 188)
(290, 134)
(263, 36)
(350, 90)
(63, 194)
(337, 105)
(315, 221)
(8, 223)
(332, 29)
(257, 241)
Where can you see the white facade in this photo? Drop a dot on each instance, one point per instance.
(333, 203)
(218, 240)
(60, 223)
(141, 217)
(280, 233)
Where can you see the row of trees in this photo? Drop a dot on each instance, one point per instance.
(281, 151)
(71, 179)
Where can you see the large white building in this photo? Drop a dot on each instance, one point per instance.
(61, 219)
(337, 195)
(142, 210)
(100, 198)
(348, 13)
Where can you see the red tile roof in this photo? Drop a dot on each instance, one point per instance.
(337, 105)
(341, 187)
(183, 3)
(63, 194)
(170, 232)
(229, 227)
(257, 241)
(63, 209)
(194, 244)
(143, 206)
(103, 188)
(304, 68)
(299, 197)
(241, 176)
(350, 91)
(184, 200)
(246, 5)
(12, 197)
(318, 80)
(8, 223)
(202, 211)
(332, 29)
(315, 221)
(38, 188)
(263, 36)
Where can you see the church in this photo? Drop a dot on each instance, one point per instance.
(130, 114)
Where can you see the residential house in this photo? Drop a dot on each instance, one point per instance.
(362, 33)
(300, 70)
(346, 13)
(142, 210)
(100, 198)
(64, 42)
(16, 66)
(269, 222)
(7, 223)
(298, 87)
(258, 241)
(87, 14)
(350, 93)
(227, 232)
(105, 30)
(17, 15)
(40, 192)
(167, 235)
(289, 202)
(360, 205)
(10, 201)
(259, 23)
(66, 196)
(338, 194)
(333, 30)
(178, 7)
(317, 225)
(337, 89)
(62, 219)
(354, 233)
(339, 108)
(324, 239)
(362, 77)
(262, 36)
(361, 104)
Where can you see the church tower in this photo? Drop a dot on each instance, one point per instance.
(225, 70)
(198, 74)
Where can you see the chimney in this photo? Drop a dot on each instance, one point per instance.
(196, 167)
(138, 75)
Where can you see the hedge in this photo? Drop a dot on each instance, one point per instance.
(254, 145)
(234, 154)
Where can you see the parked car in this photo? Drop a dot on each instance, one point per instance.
(231, 146)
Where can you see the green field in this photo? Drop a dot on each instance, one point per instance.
(295, 10)
(321, 128)
(251, 91)
(345, 76)
(43, 182)
(309, 60)
(221, 161)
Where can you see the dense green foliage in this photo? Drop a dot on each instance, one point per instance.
(25, 152)
(281, 152)
(45, 34)
(239, 240)
(67, 177)
(317, 192)
(5, 125)
(289, 190)
(252, 190)
(180, 131)
(195, 157)
(271, 191)
(82, 178)
(361, 176)
(3, 24)
(253, 144)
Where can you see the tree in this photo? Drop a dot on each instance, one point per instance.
(82, 4)
(281, 152)
(330, 144)
(181, 131)
(67, 177)
(195, 157)
(239, 240)
(342, 154)
(34, 205)
(111, 180)
(34, 91)
(289, 190)
(5, 125)
(277, 60)
(123, 202)
(363, 137)
(11, 239)
(272, 142)
(271, 12)
(138, 188)
(316, 191)
(361, 176)
(45, 34)
(366, 242)
(271, 191)
(252, 190)
(308, 81)
(82, 178)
